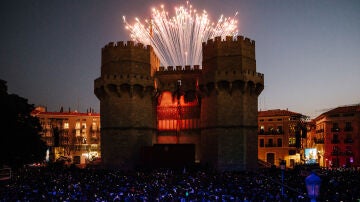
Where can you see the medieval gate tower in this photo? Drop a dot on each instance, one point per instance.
(213, 108)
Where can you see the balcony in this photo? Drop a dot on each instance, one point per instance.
(319, 131)
(348, 141)
(347, 129)
(335, 153)
(273, 132)
(349, 153)
(278, 131)
(319, 141)
(335, 129)
(270, 145)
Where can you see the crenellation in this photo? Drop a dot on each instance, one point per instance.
(229, 38)
(128, 44)
(120, 44)
(240, 38)
(179, 68)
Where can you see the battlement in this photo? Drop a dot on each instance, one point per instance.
(128, 44)
(130, 57)
(229, 47)
(179, 68)
(229, 39)
(227, 74)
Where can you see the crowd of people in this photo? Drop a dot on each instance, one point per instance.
(89, 184)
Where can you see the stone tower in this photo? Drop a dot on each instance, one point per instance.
(230, 87)
(213, 108)
(125, 90)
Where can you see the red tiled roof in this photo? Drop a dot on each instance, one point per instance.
(277, 112)
(343, 109)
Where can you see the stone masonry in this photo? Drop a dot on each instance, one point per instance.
(225, 89)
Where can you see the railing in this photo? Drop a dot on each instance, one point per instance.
(319, 141)
(272, 145)
(336, 153)
(274, 132)
(348, 141)
(335, 141)
(335, 129)
(347, 129)
(349, 153)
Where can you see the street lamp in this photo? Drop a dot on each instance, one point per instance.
(313, 186)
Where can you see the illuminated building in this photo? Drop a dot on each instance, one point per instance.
(337, 137)
(213, 108)
(70, 134)
(280, 136)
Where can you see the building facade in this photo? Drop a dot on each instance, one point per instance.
(281, 136)
(70, 135)
(336, 137)
(213, 107)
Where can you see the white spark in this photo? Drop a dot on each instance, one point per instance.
(177, 40)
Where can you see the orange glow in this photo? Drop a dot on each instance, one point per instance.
(175, 116)
(167, 100)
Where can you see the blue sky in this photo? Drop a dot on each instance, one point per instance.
(309, 51)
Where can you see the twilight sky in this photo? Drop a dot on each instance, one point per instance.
(309, 51)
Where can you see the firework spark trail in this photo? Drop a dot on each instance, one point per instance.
(178, 40)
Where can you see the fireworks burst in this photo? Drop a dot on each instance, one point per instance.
(178, 40)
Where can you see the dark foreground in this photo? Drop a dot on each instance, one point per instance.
(89, 184)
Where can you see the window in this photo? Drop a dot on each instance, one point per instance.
(261, 142)
(346, 115)
(93, 126)
(270, 143)
(348, 139)
(262, 129)
(279, 142)
(335, 139)
(271, 130)
(335, 127)
(279, 130)
(83, 128)
(348, 126)
(292, 141)
(66, 125)
(77, 133)
(77, 125)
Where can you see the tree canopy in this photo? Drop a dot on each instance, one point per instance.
(20, 140)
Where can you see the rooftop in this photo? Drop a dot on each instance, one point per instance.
(277, 112)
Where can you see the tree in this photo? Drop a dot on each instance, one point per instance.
(20, 140)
